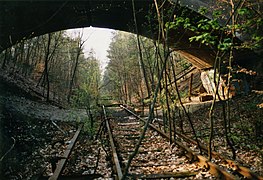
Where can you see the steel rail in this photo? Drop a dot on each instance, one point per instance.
(63, 161)
(202, 161)
(113, 147)
(232, 164)
(247, 173)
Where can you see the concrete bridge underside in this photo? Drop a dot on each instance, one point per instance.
(28, 18)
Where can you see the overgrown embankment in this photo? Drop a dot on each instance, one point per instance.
(32, 131)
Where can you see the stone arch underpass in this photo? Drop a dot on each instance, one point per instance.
(29, 18)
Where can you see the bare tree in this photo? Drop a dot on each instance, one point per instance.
(79, 50)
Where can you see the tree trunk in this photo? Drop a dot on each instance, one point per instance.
(80, 45)
(168, 106)
(141, 63)
(190, 87)
(73, 77)
(150, 118)
(46, 66)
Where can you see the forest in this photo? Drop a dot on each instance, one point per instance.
(220, 108)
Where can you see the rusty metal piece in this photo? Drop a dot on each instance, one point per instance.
(213, 168)
(202, 161)
(62, 162)
(113, 148)
(243, 170)
(233, 165)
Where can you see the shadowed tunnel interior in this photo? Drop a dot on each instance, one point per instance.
(26, 19)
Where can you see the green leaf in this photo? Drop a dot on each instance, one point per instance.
(193, 28)
(192, 38)
(243, 11)
(203, 10)
(217, 13)
(227, 40)
(214, 24)
(227, 43)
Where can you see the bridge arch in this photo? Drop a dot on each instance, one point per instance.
(25, 19)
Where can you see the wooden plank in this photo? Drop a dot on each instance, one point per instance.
(62, 162)
(178, 78)
(75, 177)
(165, 175)
(129, 124)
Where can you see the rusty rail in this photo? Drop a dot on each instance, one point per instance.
(63, 161)
(233, 165)
(113, 147)
(214, 169)
(202, 161)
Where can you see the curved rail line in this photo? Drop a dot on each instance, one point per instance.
(231, 164)
(213, 168)
(155, 146)
(193, 156)
(234, 166)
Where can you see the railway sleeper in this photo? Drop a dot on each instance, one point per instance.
(126, 135)
(129, 124)
(140, 151)
(150, 164)
(74, 177)
(130, 137)
(165, 175)
(127, 129)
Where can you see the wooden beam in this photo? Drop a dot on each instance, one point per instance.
(165, 175)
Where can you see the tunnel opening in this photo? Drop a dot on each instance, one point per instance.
(134, 75)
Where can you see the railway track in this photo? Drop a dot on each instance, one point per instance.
(157, 159)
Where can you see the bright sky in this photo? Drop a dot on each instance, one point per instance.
(98, 39)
